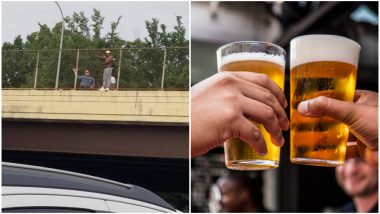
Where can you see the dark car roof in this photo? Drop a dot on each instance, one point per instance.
(32, 176)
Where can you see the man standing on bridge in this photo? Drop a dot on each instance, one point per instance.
(107, 73)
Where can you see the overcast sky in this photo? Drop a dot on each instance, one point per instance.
(23, 17)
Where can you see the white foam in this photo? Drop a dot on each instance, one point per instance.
(312, 48)
(277, 59)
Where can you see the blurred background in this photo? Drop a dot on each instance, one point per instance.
(289, 188)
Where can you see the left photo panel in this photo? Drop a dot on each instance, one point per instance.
(95, 106)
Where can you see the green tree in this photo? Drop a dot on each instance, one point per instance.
(144, 66)
(16, 65)
(97, 26)
(141, 64)
(113, 38)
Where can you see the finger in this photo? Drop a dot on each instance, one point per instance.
(248, 132)
(359, 150)
(358, 94)
(256, 92)
(366, 97)
(371, 157)
(263, 114)
(351, 138)
(264, 81)
(325, 106)
(368, 154)
(352, 150)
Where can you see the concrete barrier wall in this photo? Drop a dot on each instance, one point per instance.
(170, 107)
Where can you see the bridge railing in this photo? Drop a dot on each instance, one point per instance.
(134, 68)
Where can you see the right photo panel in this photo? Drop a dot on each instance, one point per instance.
(284, 106)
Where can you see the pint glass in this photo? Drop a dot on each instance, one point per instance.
(259, 57)
(320, 65)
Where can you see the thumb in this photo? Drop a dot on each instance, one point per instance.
(325, 106)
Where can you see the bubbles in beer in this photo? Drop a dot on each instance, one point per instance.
(319, 138)
(323, 71)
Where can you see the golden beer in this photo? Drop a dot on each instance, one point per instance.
(329, 71)
(239, 154)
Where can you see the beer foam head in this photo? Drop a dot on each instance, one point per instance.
(312, 48)
(276, 59)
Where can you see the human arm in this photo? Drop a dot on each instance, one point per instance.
(223, 106)
(75, 72)
(361, 117)
(102, 57)
(80, 77)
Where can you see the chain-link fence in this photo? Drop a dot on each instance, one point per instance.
(133, 68)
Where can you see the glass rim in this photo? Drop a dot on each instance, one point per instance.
(251, 42)
(327, 36)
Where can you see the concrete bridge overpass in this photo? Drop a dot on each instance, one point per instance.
(139, 137)
(136, 107)
(131, 123)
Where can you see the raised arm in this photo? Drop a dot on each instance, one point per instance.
(75, 72)
(102, 57)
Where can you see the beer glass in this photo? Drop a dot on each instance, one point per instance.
(259, 57)
(321, 65)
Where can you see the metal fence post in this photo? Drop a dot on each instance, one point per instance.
(118, 70)
(76, 69)
(163, 69)
(36, 74)
(60, 48)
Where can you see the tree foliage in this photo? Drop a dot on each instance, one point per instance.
(140, 62)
